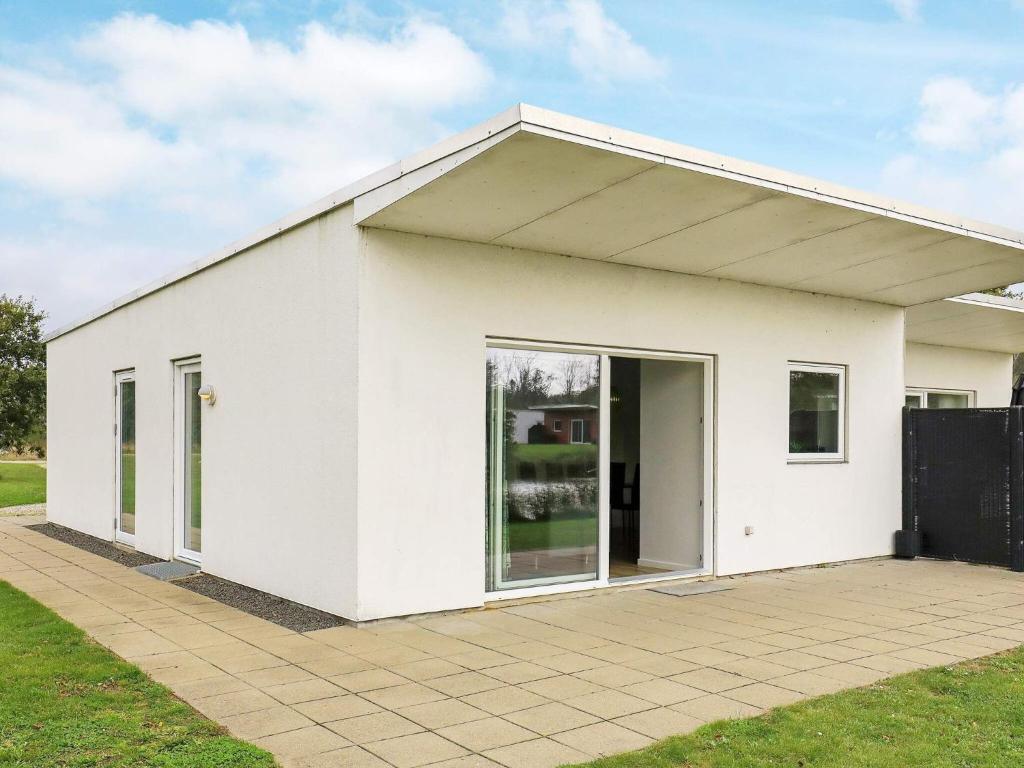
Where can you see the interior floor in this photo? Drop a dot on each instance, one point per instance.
(624, 569)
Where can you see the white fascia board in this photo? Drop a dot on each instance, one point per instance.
(450, 146)
(379, 198)
(573, 129)
(526, 117)
(680, 155)
(285, 223)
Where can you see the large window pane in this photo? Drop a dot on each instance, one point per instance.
(126, 455)
(193, 463)
(814, 411)
(542, 478)
(948, 400)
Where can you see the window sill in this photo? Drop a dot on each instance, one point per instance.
(824, 460)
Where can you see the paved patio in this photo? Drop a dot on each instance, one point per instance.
(530, 685)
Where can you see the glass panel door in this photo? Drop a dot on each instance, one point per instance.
(190, 464)
(125, 467)
(542, 479)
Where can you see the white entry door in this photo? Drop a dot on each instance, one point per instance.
(188, 470)
(124, 457)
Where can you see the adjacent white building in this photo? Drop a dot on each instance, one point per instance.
(543, 355)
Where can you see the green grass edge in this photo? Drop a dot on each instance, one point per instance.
(68, 701)
(966, 714)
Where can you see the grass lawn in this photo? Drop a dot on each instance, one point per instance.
(22, 484)
(66, 701)
(569, 532)
(971, 714)
(556, 453)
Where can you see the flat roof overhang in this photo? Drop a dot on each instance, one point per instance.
(541, 180)
(547, 182)
(974, 321)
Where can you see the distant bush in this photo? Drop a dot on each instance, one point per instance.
(545, 501)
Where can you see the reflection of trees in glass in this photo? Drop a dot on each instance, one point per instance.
(545, 501)
(193, 461)
(538, 378)
(127, 439)
(543, 497)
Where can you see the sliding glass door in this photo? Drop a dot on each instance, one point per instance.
(543, 423)
(189, 463)
(124, 466)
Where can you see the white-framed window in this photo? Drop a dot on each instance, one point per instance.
(817, 412)
(576, 435)
(915, 399)
(921, 397)
(556, 425)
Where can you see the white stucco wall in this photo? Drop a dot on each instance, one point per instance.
(275, 327)
(987, 374)
(426, 308)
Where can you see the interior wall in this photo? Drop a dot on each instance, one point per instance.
(988, 374)
(671, 478)
(427, 306)
(624, 420)
(275, 328)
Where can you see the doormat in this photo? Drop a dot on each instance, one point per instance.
(123, 556)
(695, 588)
(168, 571)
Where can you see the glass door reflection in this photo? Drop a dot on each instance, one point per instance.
(543, 422)
(189, 470)
(125, 395)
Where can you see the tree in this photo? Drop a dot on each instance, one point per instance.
(525, 382)
(22, 375)
(1007, 292)
(1011, 292)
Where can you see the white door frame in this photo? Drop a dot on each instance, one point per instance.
(708, 465)
(182, 367)
(120, 536)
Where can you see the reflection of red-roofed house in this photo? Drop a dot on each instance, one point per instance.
(574, 423)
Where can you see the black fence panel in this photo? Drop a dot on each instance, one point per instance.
(963, 483)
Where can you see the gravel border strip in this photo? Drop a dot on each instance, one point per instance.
(92, 544)
(285, 613)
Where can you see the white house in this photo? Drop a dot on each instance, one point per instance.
(718, 352)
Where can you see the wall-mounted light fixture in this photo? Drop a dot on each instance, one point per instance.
(207, 393)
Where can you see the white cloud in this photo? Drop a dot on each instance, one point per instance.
(70, 139)
(598, 48)
(955, 115)
(907, 10)
(166, 106)
(969, 153)
(145, 124)
(71, 277)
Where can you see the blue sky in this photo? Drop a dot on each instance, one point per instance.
(136, 136)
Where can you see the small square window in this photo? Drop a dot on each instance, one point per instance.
(817, 412)
(556, 425)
